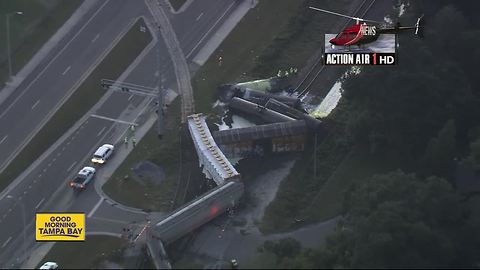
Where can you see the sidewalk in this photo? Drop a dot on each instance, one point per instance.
(212, 44)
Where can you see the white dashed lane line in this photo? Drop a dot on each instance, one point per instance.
(4, 138)
(41, 201)
(6, 242)
(101, 131)
(71, 166)
(95, 38)
(66, 70)
(35, 104)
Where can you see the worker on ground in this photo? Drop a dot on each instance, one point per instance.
(126, 141)
(134, 142)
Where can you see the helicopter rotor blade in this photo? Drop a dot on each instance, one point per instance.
(343, 15)
(417, 25)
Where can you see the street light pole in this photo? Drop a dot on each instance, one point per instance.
(24, 225)
(8, 41)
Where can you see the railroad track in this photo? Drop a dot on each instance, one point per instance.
(305, 84)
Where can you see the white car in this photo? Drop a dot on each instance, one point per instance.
(49, 265)
(83, 177)
(102, 154)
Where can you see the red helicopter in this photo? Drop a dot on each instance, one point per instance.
(362, 33)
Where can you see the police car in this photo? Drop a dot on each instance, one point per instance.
(83, 177)
(102, 154)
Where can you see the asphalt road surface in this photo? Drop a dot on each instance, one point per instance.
(45, 188)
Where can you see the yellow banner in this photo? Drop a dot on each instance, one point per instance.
(60, 227)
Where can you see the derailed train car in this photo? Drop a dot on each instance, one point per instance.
(199, 211)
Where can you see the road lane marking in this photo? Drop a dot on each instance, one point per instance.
(6, 242)
(41, 201)
(95, 38)
(66, 70)
(112, 119)
(54, 159)
(199, 16)
(101, 131)
(131, 96)
(95, 208)
(51, 61)
(210, 30)
(4, 138)
(71, 166)
(35, 105)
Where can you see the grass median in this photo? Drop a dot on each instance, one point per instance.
(29, 31)
(165, 153)
(87, 94)
(177, 4)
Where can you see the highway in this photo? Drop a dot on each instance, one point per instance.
(43, 187)
(33, 102)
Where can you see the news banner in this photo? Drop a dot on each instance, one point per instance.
(381, 59)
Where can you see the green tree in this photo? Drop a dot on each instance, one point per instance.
(440, 151)
(398, 220)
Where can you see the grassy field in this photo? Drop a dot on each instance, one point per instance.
(86, 255)
(205, 82)
(28, 32)
(165, 153)
(261, 25)
(177, 4)
(281, 34)
(88, 93)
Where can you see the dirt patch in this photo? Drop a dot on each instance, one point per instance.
(146, 172)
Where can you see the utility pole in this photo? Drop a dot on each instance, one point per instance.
(161, 92)
(8, 41)
(160, 117)
(315, 157)
(24, 224)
